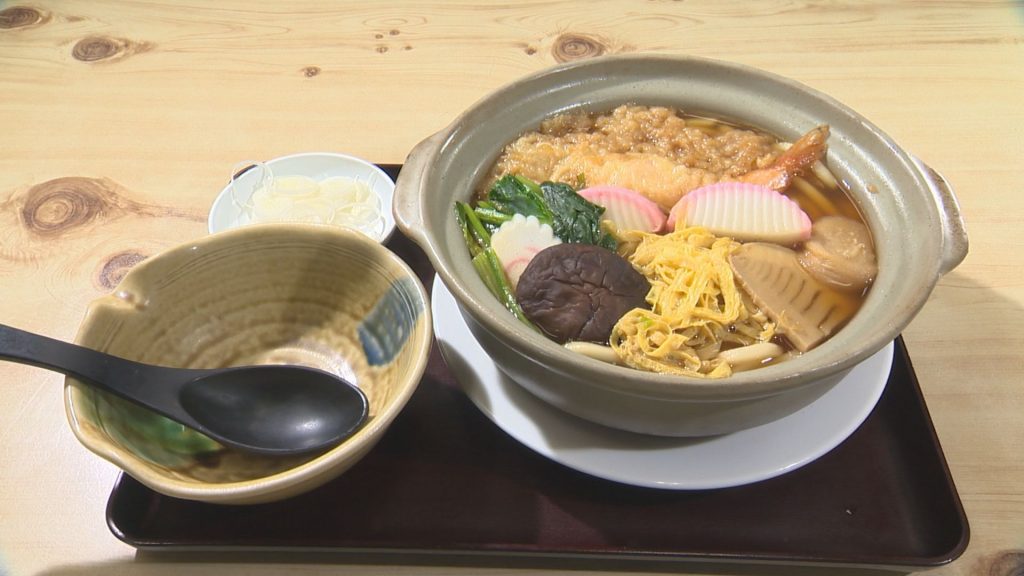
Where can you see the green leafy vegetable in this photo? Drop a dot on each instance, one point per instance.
(489, 267)
(476, 236)
(576, 219)
(486, 261)
(519, 195)
(572, 217)
(492, 216)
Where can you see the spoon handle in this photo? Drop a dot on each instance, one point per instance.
(117, 375)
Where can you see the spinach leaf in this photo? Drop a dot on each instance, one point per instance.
(575, 219)
(570, 215)
(519, 195)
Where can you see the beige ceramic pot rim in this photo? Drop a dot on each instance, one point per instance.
(290, 481)
(912, 213)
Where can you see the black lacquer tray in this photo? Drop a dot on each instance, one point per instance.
(445, 484)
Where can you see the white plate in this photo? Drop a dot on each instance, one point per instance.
(658, 462)
(227, 213)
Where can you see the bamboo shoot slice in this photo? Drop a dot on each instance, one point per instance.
(806, 311)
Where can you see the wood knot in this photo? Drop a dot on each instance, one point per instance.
(1005, 563)
(310, 71)
(96, 48)
(114, 269)
(570, 47)
(55, 206)
(20, 17)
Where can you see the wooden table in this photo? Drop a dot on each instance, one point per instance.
(119, 122)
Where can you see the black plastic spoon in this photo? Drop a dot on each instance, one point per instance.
(271, 409)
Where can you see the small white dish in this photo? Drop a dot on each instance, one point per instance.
(721, 461)
(228, 208)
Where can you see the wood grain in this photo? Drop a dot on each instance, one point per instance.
(120, 122)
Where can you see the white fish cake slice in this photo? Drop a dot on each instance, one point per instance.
(517, 241)
(744, 212)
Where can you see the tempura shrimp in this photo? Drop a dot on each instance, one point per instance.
(797, 159)
(665, 182)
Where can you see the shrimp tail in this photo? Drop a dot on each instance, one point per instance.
(793, 162)
(804, 152)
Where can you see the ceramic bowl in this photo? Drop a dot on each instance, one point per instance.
(912, 214)
(270, 293)
(229, 208)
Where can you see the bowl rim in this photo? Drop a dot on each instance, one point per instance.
(289, 481)
(535, 348)
(385, 190)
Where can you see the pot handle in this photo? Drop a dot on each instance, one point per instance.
(407, 206)
(954, 230)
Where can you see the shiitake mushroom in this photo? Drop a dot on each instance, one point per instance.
(577, 292)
